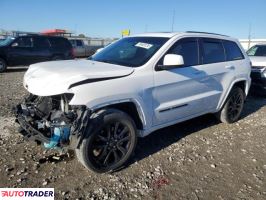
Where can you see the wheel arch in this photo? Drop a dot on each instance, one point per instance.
(243, 83)
(131, 107)
(5, 59)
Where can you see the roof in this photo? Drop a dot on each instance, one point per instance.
(172, 34)
(159, 34)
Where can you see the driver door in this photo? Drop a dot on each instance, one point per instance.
(179, 92)
(21, 51)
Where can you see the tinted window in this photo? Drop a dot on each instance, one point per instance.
(130, 51)
(59, 42)
(24, 42)
(188, 48)
(73, 43)
(258, 50)
(213, 51)
(79, 43)
(40, 42)
(232, 51)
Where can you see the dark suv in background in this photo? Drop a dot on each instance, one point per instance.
(29, 49)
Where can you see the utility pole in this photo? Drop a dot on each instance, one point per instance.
(173, 20)
(249, 35)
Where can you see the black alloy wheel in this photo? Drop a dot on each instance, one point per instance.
(111, 145)
(233, 106)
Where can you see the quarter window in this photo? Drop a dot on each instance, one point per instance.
(213, 51)
(232, 51)
(188, 48)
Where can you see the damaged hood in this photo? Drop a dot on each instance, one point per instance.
(55, 77)
(258, 61)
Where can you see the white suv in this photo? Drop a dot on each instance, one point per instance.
(131, 88)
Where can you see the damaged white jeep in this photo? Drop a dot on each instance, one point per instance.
(131, 88)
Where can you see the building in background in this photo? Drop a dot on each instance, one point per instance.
(246, 43)
(58, 32)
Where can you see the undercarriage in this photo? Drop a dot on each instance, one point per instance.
(51, 121)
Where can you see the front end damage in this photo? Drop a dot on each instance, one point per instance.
(51, 121)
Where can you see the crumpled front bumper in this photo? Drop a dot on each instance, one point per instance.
(23, 118)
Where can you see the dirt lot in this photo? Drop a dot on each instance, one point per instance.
(198, 159)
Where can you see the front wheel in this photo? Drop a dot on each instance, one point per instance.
(233, 106)
(111, 144)
(2, 65)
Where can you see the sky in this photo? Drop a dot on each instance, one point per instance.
(107, 18)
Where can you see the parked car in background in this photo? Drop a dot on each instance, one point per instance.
(30, 49)
(257, 56)
(81, 49)
(131, 88)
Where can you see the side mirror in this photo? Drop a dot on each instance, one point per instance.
(15, 44)
(171, 61)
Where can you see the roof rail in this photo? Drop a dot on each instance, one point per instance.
(206, 33)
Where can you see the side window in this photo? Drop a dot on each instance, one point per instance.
(73, 43)
(188, 48)
(232, 51)
(40, 42)
(59, 42)
(24, 42)
(213, 51)
(79, 43)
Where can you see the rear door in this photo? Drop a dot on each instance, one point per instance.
(220, 73)
(41, 47)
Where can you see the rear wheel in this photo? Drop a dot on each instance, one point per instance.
(2, 65)
(111, 144)
(233, 106)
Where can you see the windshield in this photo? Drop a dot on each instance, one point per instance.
(258, 50)
(131, 51)
(6, 41)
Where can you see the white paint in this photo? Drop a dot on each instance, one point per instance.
(202, 88)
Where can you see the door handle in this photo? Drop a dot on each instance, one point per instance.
(231, 67)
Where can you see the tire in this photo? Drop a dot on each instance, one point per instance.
(3, 65)
(233, 106)
(110, 144)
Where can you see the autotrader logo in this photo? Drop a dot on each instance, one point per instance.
(27, 193)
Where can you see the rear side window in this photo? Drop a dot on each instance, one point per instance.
(79, 43)
(213, 51)
(232, 51)
(73, 43)
(41, 42)
(188, 48)
(60, 42)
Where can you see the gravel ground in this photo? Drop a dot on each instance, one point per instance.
(198, 159)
